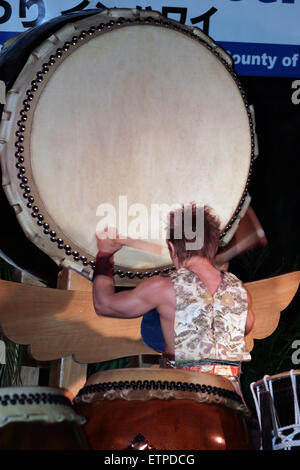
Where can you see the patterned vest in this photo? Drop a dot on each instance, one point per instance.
(209, 327)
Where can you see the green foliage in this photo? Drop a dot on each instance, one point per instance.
(108, 365)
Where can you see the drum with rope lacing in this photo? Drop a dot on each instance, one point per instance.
(123, 109)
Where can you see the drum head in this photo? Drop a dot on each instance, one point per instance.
(122, 119)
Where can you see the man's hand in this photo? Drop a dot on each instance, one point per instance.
(105, 242)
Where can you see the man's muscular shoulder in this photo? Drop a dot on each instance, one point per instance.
(159, 287)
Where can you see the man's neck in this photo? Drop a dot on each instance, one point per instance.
(198, 263)
(206, 272)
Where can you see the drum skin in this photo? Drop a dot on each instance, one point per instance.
(123, 103)
(160, 409)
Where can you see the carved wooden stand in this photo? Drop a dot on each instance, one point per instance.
(61, 325)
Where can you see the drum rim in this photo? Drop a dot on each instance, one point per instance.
(144, 384)
(63, 248)
(142, 373)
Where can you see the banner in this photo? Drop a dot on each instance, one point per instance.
(263, 36)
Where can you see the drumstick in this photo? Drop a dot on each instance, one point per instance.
(143, 245)
(220, 259)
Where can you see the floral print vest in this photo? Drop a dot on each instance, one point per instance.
(209, 327)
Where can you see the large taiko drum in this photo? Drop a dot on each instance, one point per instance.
(276, 400)
(39, 418)
(120, 114)
(144, 409)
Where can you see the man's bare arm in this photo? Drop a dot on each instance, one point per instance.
(250, 316)
(148, 295)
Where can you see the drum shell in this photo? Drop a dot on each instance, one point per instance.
(42, 436)
(163, 420)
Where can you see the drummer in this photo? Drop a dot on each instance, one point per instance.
(204, 312)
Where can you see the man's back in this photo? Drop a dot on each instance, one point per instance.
(199, 301)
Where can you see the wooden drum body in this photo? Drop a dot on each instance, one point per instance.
(163, 410)
(129, 111)
(39, 418)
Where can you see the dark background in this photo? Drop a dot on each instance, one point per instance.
(275, 199)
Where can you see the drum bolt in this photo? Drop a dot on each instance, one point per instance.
(22, 170)
(31, 199)
(24, 118)
(83, 258)
(53, 239)
(52, 232)
(58, 54)
(45, 69)
(19, 165)
(22, 128)
(52, 59)
(40, 217)
(68, 252)
(67, 247)
(29, 205)
(39, 79)
(21, 138)
(29, 95)
(22, 185)
(46, 225)
(33, 214)
(74, 40)
(27, 189)
(26, 102)
(39, 222)
(60, 241)
(75, 253)
(76, 258)
(101, 26)
(82, 35)
(91, 31)
(35, 209)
